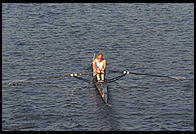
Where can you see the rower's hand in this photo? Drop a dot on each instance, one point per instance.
(102, 70)
(98, 70)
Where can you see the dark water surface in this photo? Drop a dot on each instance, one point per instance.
(40, 40)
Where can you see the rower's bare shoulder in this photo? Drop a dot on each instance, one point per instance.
(94, 61)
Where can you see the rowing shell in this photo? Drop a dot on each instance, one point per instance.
(103, 90)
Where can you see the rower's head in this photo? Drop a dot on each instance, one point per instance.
(100, 56)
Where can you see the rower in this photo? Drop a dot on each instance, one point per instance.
(99, 67)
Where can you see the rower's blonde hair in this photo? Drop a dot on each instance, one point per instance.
(100, 53)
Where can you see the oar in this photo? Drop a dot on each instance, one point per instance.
(154, 75)
(16, 82)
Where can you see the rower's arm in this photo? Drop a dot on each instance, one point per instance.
(104, 64)
(94, 65)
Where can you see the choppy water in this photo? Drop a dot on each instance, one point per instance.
(50, 39)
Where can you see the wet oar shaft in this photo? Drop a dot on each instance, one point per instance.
(15, 82)
(154, 75)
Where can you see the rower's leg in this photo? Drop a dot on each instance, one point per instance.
(98, 77)
(102, 76)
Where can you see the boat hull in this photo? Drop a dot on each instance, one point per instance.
(103, 90)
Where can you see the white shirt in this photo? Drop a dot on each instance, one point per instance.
(99, 64)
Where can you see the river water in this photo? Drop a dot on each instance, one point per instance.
(40, 40)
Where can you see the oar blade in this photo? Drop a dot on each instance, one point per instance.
(178, 78)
